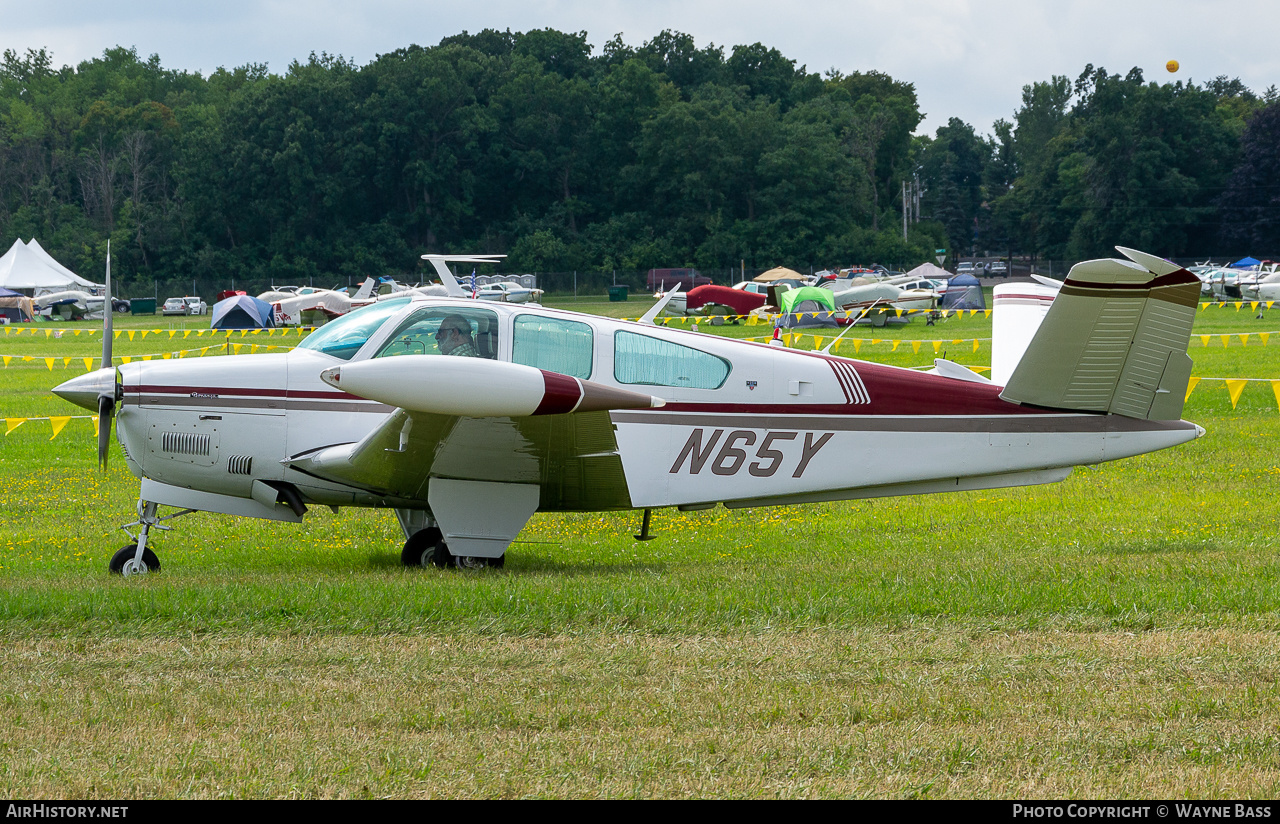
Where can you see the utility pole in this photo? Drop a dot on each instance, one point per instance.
(904, 211)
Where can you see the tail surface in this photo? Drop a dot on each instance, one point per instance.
(1114, 340)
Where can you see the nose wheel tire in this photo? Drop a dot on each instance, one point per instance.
(125, 563)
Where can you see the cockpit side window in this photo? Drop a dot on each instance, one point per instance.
(445, 330)
(640, 359)
(343, 337)
(553, 344)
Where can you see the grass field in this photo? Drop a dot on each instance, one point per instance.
(1115, 635)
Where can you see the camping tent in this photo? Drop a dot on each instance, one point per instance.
(241, 312)
(1245, 263)
(963, 292)
(16, 307)
(807, 306)
(28, 266)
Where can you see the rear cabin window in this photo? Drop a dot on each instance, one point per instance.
(640, 359)
(553, 344)
(445, 330)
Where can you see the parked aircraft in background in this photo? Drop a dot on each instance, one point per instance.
(556, 410)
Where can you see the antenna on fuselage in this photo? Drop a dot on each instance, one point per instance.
(659, 306)
(827, 349)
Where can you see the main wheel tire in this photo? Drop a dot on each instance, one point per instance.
(426, 548)
(123, 563)
(477, 562)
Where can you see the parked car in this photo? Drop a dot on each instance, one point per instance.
(188, 305)
(999, 269)
(968, 267)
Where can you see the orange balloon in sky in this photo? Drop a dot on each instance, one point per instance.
(1172, 66)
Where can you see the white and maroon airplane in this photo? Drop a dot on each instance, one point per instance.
(556, 410)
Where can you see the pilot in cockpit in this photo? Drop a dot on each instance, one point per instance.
(454, 337)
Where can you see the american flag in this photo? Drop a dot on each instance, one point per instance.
(474, 291)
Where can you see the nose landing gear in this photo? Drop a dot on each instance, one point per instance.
(138, 558)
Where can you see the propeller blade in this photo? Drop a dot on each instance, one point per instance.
(108, 311)
(106, 411)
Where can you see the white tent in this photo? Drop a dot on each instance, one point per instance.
(29, 266)
(928, 270)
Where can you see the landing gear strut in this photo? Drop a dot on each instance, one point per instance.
(137, 558)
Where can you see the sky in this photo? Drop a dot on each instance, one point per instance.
(966, 58)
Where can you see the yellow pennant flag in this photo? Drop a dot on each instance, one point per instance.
(875, 341)
(937, 346)
(172, 332)
(237, 347)
(986, 313)
(147, 357)
(1265, 337)
(915, 346)
(1191, 384)
(124, 359)
(131, 334)
(49, 332)
(1225, 339)
(975, 344)
(58, 422)
(1239, 303)
(857, 345)
(1275, 390)
(186, 333)
(66, 361)
(895, 346)
(1244, 339)
(1269, 303)
(11, 424)
(1235, 386)
(49, 363)
(88, 364)
(6, 360)
(1253, 305)
(1204, 340)
(94, 418)
(1203, 306)
(167, 355)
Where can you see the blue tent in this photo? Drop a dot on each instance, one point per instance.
(242, 312)
(963, 292)
(1245, 263)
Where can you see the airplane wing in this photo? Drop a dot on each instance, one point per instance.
(1133, 361)
(472, 419)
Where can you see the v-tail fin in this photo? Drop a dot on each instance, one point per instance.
(1114, 340)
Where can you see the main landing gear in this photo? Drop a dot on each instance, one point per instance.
(426, 548)
(137, 558)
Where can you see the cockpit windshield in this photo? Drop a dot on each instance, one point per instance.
(343, 337)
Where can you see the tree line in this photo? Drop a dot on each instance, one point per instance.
(661, 155)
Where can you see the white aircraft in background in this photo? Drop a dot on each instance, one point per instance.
(561, 411)
(313, 307)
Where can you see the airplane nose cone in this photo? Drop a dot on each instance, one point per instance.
(84, 390)
(1199, 431)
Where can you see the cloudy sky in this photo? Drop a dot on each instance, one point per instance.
(967, 58)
